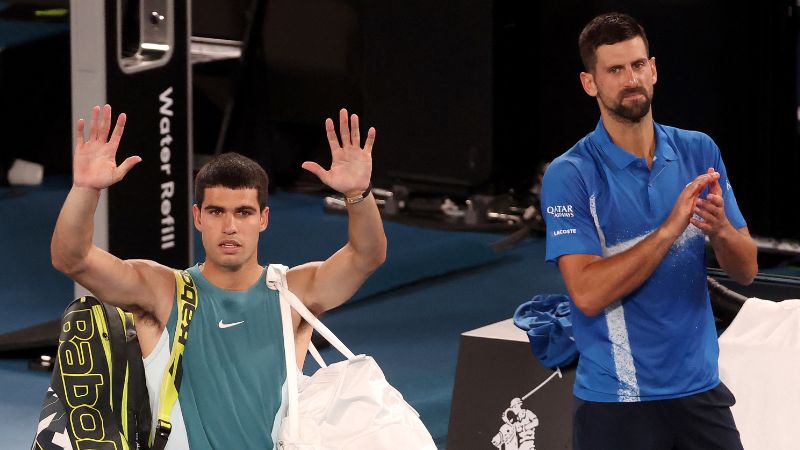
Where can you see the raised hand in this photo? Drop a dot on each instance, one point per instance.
(351, 166)
(94, 162)
(684, 208)
(711, 210)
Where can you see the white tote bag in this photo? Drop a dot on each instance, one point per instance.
(348, 405)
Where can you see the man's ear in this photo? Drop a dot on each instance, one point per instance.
(196, 216)
(653, 68)
(264, 218)
(587, 81)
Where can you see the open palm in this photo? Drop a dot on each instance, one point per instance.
(351, 166)
(94, 162)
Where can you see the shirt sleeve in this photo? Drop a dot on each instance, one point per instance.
(735, 216)
(565, 206)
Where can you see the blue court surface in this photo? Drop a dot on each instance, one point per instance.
(435, 285)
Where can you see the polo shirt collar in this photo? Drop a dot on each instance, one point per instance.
(664, 148)
(623, 159)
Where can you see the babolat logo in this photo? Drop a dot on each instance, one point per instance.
(187, 304)
(188, 295)
(82, 375)
(560, 211)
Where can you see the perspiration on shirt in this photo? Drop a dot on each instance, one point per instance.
(659, 341)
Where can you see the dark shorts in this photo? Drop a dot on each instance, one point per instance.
(702, 421)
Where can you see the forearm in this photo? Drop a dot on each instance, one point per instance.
(736, 254)
(72, 237)
(365, 234)
(606, 280)
(328, 284)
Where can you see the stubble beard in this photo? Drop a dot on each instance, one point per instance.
(632, 113)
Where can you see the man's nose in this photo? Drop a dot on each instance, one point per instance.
(229, 224)
(631, 78)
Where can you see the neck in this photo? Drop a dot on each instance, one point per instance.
(636, 138)
(231, 278)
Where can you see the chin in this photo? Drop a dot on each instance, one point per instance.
(228, 262)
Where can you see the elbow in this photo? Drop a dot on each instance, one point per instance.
(586, 304)
(63, 263)
(379, 257)
(588, 310)
(746, 281)
(370, 260)
(748, 275)
(747, 269)
(57, 259)
(372, 264)
(748, 278)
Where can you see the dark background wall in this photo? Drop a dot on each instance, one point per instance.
(34, 88)
(725, 68)
(469, 96)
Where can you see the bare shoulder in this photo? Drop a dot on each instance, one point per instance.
(157, 288)
(300, 278)
(153, 273)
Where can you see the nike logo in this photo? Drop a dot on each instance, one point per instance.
(228, 325)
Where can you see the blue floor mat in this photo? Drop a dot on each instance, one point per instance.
(435, 285)
(31, 291)
(21, 395)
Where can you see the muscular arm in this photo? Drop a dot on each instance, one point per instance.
(325, 285)
(594, 282)
(132, 284)
(328, 284)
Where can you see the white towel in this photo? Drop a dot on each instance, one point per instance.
(759, 361)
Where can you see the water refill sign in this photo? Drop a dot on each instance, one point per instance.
(135, 57)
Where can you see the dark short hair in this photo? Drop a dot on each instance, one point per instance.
(233, 171)
(607, 29)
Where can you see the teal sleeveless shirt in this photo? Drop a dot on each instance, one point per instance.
(233, 366)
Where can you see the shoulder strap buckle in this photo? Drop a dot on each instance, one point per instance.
(163, 429)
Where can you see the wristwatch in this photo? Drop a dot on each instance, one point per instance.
(358, 198)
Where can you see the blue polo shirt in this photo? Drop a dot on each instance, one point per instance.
(659, 341)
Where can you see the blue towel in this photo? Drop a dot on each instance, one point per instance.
(546, 319)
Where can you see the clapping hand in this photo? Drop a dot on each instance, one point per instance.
(681, 214)
(711, 211)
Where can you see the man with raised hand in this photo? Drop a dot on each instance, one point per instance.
(234, 368)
